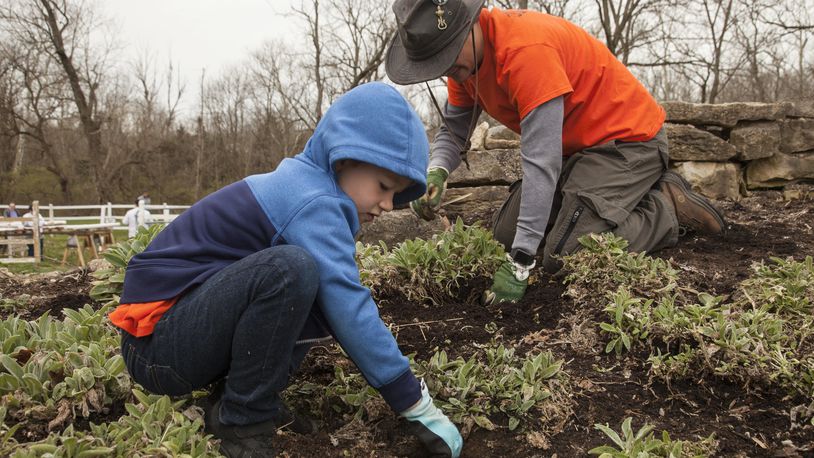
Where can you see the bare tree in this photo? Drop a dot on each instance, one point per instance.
(278, 132)
(796, 19)
(41, 90)
(8, 131)
(360, 40)
(57, 18)
(346, 46)
(627, 24)
(226, 110)
(61, 30)
(761, 47)
(714, 59)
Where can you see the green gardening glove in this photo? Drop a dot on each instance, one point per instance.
(510, 282)
(426, 205)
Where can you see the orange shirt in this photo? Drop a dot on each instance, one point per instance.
(530, 58)
(140, 319)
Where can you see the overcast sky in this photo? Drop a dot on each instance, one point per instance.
(211, 34)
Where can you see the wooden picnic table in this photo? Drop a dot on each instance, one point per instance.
(85, 234)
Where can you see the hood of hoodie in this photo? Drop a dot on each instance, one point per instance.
(373, 123)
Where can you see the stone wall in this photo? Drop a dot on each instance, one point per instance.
(723, 150)
(726, 149)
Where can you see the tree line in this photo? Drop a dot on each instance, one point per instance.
(77, 127)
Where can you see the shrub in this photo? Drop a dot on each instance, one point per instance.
(110, 281)
(604, 264)
(432, 269)
(153, 427)
(492, 383)
(643, 444)
(497, 381)
(756, 337)
(53, 369)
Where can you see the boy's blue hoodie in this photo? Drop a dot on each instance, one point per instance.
(301, 204)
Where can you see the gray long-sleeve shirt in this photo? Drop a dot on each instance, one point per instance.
(541, 160)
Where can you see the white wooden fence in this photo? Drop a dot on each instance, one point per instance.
(108, 213)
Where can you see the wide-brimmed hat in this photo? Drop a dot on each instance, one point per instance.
(426, 45)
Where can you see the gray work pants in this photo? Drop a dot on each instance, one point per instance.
(606, 188)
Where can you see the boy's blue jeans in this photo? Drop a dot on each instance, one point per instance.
(243, 323)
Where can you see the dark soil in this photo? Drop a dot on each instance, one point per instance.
(607, 389)
(45, 293)
(746, 423)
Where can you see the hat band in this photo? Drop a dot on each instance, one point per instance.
(421, 52)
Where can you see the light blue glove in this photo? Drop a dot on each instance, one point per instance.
(438, 435)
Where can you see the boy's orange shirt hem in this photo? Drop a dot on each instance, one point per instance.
(140, 319)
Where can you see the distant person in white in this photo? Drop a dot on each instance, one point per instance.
(30, 214)
(131, 219)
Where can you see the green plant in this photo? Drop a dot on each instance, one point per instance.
(18, 303)
(153, 427)
(755, 337)
(643, 444)
(495, 382)
(430, 269)
(54, 369)
(109, 281)
(786, 286)
(7, 442)
(604, 264)
(498, 381)
(631, 319)
(347, 392)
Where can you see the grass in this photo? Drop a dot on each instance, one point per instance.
(53, 250)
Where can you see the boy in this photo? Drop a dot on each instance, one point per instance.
(241, 284)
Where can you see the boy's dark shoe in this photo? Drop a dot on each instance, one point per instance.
(256, 440)
(693, 211)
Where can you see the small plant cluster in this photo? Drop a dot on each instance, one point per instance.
(110, 281)
(431, 269)
(605, 261)
(497, 381)
(348, 392)
(644, 444)
(758, 336)
(491, 385)
(630, 320)
(52, 369)
(153, 427)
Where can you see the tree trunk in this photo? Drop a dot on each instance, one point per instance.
(91, 127)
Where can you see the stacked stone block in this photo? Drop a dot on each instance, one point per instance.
(728, 148)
